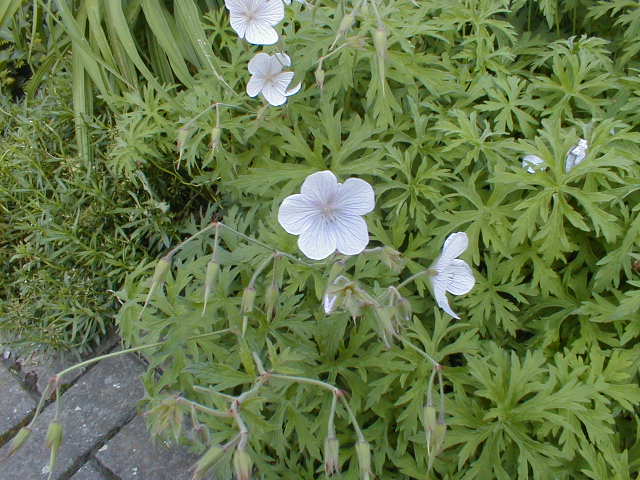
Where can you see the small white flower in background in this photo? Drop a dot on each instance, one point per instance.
(254, 20)
(288, 2)
(576, 155)
(328, 215)
(450, 274)
(268, 78)
(533, 163)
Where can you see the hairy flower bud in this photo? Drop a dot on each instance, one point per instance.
(55, 433)
(19, 440)
(214, 143)
(319, 73)
(248, 299)
(271, 299)
(331, 455)
(213, 268)
(345, 24)
(242, 464)
(363, 451)
(207, 461)
(159, 274)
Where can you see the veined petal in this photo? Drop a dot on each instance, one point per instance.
(255, 85)
(460, 279)
(454, 245)
(293, 90)
(261, 33)
(320, 186)
(440, 295)
(352, 235)
(355, 197)
(297, 213)
(273, 95)
(319, 240)
(236, 6)
(239, 23)
(282, 80)
(283, 59)
(270, 11)
(532, 163)
(260, 64)
(329, 302)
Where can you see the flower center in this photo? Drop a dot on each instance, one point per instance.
(328, 211)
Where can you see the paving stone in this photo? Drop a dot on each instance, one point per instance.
(131, 455)
(16, 403)
(102, 400)
(88, 472)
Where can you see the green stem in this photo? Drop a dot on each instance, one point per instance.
(413, 277)
(310, 381)
(417, 349)
(203, 408)
(352, 417)
(192, 237)
(200, 389)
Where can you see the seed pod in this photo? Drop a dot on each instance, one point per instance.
(242, 464)
(248, 299)
(216, 132)
(207, 461)
(55, 433)
(331, 455)
(213, 268)
(160, 273)
(271, 299)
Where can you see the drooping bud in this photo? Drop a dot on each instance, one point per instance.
(248, 299)
(271, 299)
(345, 24)
(207, 462)
(19, 440)
(242, 464)
(392, 259)
(160, 273)
(55, 434)
(213, 267)
(380, 42)
(319, 73)
(331, 455)
(385, 316)
(363, 451)
(202, 434)
(214, 143)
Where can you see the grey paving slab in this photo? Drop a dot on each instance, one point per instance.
(89, 472)
(15, 403)
(101, 401)
(132, 456)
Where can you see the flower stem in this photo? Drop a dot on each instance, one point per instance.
(203, 408)
(407, 343)
(310, 381)
(413, 277)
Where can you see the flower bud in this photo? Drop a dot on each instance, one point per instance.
(437, 438)
(207, 461)
(248, 299)
(331, 455)
(346, 24)
(271, 299)
(386, 325)
(429, 419)
(160, 273)
(242, 464)
(392, 259)
(319, 76)
(19, 440)
(213, 268)
(380, 42)
(404, 310)
(202, 434)
(215, 138)
(363, 451)
(55, 433)
(182, 136)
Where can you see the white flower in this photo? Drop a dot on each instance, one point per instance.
(269, 79)
(451, 274)
(288, 2)
(576, 155)
(328, 215)
(254, 20)
(533, 163)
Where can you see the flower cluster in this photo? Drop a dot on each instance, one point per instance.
(254, 21)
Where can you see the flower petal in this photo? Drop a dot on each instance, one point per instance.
(260, 64)
(283, 59)
(318, 241)
(355, 197)
(273, 95)
(261, 33)
(454, 245)
(533, 163)
(297, 213)
(293, 90)
(352, 235)
(440, 296)
(236, 6)
(255, 85)
(320, 186)
(239, 24)
(270, 11)
(329, 302)
(282, 80)
(460, 279)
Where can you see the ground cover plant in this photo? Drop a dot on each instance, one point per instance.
(513, 122)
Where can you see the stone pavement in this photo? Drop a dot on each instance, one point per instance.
(104, 438)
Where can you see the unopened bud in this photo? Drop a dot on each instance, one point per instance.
(19, 440)
(271, 299)
(380, 42)
(55, 433)
(437, 438)
(392, 259)
(202, 434)
(331, 455)
(207, 461)
(346, 24)
(213, 268)
(429, 420)
(160, 273)
(404, 309)
(182, 136)
(242, 464)
(336, 270)
(386, 324)
(215, 138)
(363, 451)
(319, 76)
(248, 299)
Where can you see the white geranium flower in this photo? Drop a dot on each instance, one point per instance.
(533, 163)
(254, 20)
(450, 274)
(269, 79)
(328, 215)
(576, 155)
(288, 2)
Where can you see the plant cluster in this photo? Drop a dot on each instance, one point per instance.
(515, 122)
